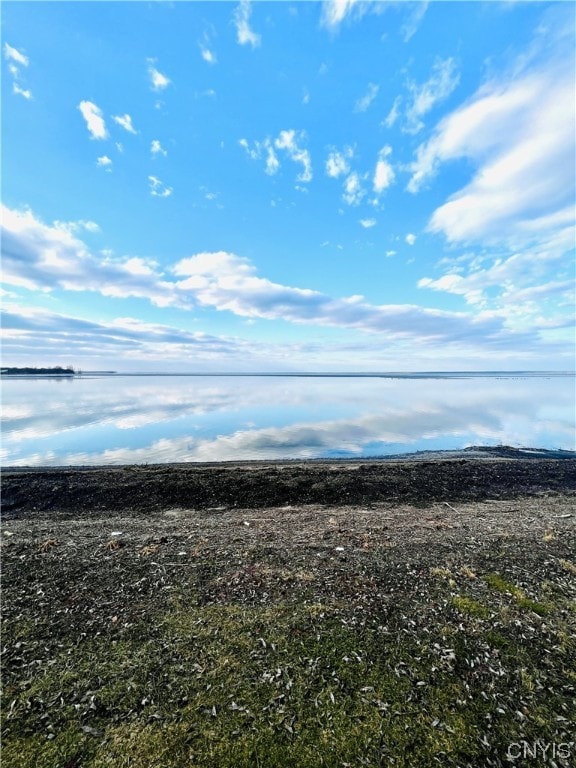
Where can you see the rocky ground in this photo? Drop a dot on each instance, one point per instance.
(405, 613)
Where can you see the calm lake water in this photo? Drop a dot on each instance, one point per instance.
(136, 419)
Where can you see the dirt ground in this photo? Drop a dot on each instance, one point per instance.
(420, 545)
(237, 528)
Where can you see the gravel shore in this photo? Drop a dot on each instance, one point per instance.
(401, 613)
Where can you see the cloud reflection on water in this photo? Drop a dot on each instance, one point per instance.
(170, 419)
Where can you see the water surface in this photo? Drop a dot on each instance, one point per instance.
(168, 418)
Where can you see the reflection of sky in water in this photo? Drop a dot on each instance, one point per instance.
(160, 419)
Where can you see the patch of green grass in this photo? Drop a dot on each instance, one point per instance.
(500, 584)
(531, 605)
(307, 679)
(282, 685)
(470, 606)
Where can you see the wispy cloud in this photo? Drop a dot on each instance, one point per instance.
(291, 141)
(365, 101)
(45, 258)
(228, 282)
(13, 54)
(338, 163)
(394, 113)
(42, 257)
(288, 141)
(158, 188)
(205, 45)
(252, 152)
(17, 59)
(158, 81)
(425, 96)
(518, 285)
(208, 55)
(517, 132)
(104, 162)
(244, 34)
(416, 14)
(126, 122)
(410, 238)
(93, 116)
(368, 223)
(43, 332)
(156, 148)
(272, 162)
(353, 190)
(383, 173)
(335, 11)
(81, 225)
(25, 92)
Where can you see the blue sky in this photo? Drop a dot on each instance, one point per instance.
(343, 185)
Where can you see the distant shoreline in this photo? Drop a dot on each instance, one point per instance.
(55, 373)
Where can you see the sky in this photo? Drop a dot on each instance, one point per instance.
(288, 186)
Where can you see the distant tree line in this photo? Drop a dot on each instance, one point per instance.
(57, 370)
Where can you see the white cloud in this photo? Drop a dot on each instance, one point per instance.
(253, 153)
(290, 141)
(338, 163)
(335, 11)
(272, 162)
(41, 257)
(158, 81)
(43, 332)
(126, 122)
(157, 149)
(25, 92)
(262, 148)
(92, 114)
(227, 282)
(394, 113)
(518, 134)
(365, 101)
(410, 238)
(45, 258)
(104, 161)
(158, 188)
(244, 34)
(438, 87)
(208, 55)
(389, 254)
(353, 192)
(368, 223)
(13, 54)
(414, 20)
(383, 173)
(509, 284)
(82, 225)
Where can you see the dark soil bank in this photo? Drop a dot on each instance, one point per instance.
(141, 489)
